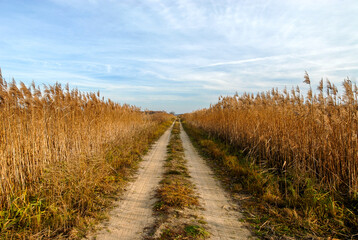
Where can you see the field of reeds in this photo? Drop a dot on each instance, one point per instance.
(308, 141)
(63, 154)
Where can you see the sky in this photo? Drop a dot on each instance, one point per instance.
(178, 55)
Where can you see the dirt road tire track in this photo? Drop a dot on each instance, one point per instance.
(134, 210)
(220, 213)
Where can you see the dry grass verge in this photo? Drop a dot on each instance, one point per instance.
(176, 208)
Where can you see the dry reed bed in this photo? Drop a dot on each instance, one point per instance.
(61, 152)
(300, 156)
(313, 136)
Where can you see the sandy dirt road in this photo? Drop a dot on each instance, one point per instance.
(134, 210)
(220, 213)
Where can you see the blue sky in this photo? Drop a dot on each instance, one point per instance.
(177, 55)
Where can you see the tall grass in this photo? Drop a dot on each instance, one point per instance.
(61, 153)
(312, 136)
(296, 154)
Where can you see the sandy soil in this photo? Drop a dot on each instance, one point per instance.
(220, 212)
(134, 210)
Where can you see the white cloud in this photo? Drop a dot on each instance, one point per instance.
(157, 52)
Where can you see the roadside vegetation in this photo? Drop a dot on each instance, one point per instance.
(63, 156)
(177, 205)
(296, 156)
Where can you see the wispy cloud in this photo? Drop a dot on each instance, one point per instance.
(245, 61)
(178, 55)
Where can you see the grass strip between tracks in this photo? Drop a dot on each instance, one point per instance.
(177, 206)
